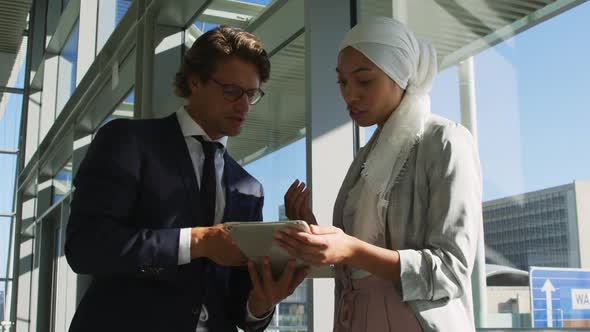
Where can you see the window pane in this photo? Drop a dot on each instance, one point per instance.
(62, 182)
(4, 242)
(21, 65)
(110, 13)
(259, 2)
(532, 109)
(2, 299)
(10, 117)
(238, 15)
(124, 110)
(13, 67)
(204, 26)
(53, 13)
(445, 95)
(7, 174)
(68, 61)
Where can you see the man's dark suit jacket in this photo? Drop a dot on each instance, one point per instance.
(135, 189)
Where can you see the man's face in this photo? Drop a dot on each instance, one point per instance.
(213, 110)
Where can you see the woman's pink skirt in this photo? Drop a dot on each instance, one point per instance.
(371, 304)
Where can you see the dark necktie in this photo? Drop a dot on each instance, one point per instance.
(208, 182)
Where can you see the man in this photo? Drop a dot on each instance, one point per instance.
(151, 196)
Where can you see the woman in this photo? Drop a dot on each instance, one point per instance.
(406, 217)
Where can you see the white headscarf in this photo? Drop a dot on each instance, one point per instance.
(395, 50)
(412, 65)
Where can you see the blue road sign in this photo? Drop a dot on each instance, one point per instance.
(559, 297)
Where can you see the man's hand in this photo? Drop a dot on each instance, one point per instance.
(268, 292)
(216, 244)
(297, 203)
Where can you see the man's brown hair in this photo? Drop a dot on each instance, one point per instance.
(215, 46)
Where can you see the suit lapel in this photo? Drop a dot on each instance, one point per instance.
(230, 179)
(239, 205)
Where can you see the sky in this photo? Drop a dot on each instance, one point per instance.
(533, 108)
(9, 128)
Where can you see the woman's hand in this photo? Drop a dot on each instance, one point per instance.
(297, 203)
(325, 245)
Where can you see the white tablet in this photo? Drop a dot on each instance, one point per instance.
(256, 240)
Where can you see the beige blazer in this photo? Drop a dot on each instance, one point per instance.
(433, 220)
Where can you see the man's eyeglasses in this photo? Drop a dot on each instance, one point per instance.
(233, 92)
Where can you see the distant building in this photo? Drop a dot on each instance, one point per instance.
(508, 297)
(508, 307)
(541, 228)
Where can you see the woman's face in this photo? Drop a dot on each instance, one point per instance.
(370, 95)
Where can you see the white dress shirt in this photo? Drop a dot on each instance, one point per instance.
(189, 129)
